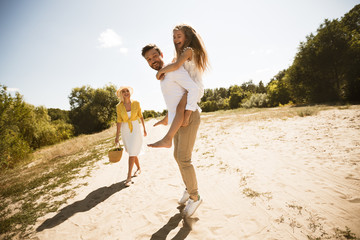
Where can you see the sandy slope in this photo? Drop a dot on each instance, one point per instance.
(270, 179)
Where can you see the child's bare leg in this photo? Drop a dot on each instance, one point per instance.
(166, 142)
(178, 119)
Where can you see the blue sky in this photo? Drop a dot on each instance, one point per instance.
(49, 47)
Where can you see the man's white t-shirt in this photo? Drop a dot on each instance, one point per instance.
(173, 87)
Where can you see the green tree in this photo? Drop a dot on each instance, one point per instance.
(222, 92)
(59, 114)
(257, 100)
(326, 67)
(209, 106)
(24, 128)
(350, 23)
(277, 90)
(208, 95)
(63, 130)
(249, 87)
(261, 88)
(237, 94)
(215, 99)
(92, 110)
(44, 132)
(151, 114)
(14, 112)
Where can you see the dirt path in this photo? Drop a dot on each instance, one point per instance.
(270, 179)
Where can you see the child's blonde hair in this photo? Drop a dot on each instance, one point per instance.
(193, 40)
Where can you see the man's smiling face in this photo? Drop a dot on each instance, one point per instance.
(154, 59)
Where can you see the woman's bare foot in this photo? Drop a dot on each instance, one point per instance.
(163, 143)
(128, 182)
(137, 172)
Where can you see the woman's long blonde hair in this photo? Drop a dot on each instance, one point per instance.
(193, 40)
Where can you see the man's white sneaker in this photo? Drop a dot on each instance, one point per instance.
(191, 207)
(184, 198)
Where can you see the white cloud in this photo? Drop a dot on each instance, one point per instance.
(109, 38)
(124, 50)
(254, 52)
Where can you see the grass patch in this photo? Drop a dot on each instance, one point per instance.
(347, 234)
(307, 112)
(344, 107)
(338, 234)
(261, 114)
(297, 207)
(248, 192)
(281, 219)
(29, 192)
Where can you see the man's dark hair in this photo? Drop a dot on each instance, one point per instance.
(149, 47)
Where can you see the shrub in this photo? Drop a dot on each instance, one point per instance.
(24, 128)
(92, 110)
(151, 114)
(16, 121)
(307, 112)
(256, 100)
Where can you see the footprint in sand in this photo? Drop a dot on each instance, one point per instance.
(354, 200)
(350, 176)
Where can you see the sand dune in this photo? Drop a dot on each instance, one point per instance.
(297, 178)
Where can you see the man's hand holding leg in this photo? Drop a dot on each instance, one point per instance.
(187, 115)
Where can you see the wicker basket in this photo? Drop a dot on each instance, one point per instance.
(115, 155)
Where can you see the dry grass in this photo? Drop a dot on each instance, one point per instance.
(261, 114)
(46, 158)
(71, 146)
(30, 191)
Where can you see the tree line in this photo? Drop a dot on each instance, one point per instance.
(325, 69)
(25, 128)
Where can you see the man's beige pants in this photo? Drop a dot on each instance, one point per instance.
(184, 141)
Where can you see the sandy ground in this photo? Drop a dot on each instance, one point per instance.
(297, 178)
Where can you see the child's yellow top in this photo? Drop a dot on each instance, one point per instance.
(122, 114)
